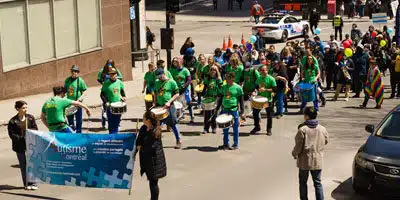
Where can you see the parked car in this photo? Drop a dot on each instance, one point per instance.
(281, 26)
(377, 163)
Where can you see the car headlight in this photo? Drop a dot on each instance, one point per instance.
(363, 163)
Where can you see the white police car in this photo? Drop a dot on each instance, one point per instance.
(280, 26)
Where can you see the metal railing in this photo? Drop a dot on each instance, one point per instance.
(147, 55)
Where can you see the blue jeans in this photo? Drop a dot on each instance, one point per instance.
(172, 121)
(199, 99)
(113, 122)
(78, 115)
(304, 103)
(103, 120)
(279, 102)
(235, 115)
(188, 101)
(65, 130)
(256, 18)
(316, 176)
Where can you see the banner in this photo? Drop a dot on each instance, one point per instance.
(83, 160)
(379, 18)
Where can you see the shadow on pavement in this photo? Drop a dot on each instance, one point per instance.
(13, 166)
(358, 107)
(203, 148)
(31, 196)
(10, 187)
(345, 192)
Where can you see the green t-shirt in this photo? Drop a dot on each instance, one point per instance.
(165, 90)
(213, 87)
(230, 99)
(112, 90)
(267, 82)
(101, 72)
(206, 70)
(238, 72)
(199, 68)
(150, 78)
(74, 92)
(180, 75)
(310, 73)
(250, 78)
(54, 108)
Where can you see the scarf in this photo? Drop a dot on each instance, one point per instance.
(312, 123)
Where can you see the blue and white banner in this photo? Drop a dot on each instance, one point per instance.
(83, 160)
(379, 18)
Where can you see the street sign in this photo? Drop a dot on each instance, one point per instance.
(379, 18)
(132, 12)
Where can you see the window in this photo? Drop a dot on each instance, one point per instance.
(36, 31)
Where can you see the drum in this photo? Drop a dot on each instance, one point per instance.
(224, 121)
(118, 108)
(71, 110)
(178, 106)
(209, 104)
(148, 99)
(160, 112)
(259, 102)
(199, 88)
(307, 91)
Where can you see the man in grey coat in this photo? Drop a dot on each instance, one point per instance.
(310, 140)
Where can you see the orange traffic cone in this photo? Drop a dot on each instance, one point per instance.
(242, 41)
(224, 47)
(230, 43)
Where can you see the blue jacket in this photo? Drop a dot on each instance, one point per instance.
(360, 60)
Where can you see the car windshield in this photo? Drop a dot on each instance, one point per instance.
(272, 20)
(390, 128)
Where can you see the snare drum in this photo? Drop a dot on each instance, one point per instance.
(160, 112)
(178, 106)
(148, 99)
(209, 104)
(224, 121)
(118, 108)
(199, 88)
(259, 102)
(71, 110)
(307, 92)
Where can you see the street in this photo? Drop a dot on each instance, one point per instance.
(261, 169)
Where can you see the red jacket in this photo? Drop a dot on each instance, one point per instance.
(257, 9)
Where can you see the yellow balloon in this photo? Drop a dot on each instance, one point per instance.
(348, 52)
(383, 43)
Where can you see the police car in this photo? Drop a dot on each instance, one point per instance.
(280, 26)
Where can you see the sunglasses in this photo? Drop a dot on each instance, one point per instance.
(77, 71)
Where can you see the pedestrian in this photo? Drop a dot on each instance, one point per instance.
(345, 66)
(53, 111)
(167, 92)
(356, 34)
(149, 79)
(259, 45)
(17, 127)
(187, 44)
(150, 38)
(279, 72)
(395, 77)
(291, 68)
(215, 4)
(352, 9)
(322, 68)
(151, 153)
(360, 59)
(314, 20)
(76, 91)
(341, 8)
(256, 11)
(361, 8)
(333, 43)
(311, 139)
(113, 91)
(374, 86)
(337, 24)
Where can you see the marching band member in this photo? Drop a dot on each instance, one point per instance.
(310, 73)
(232, 98)
(236, 67)
(200, 65)
(76, 90)
(206, 70)
(266, 85)
(250, 75)
(167, 92)
(212, 85)
(183, 79)
(53, 111)
(161, 65)
(149, 78)
(112, 91)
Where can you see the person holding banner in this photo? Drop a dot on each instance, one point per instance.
(151, 154)
(76, 90)
(113, 91)
(53, 111)
(16, 130)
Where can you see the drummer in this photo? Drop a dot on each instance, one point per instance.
(310, 74)
(250, 75)
(232, 97)
(212, 86)
(111, 92)
(200, 65)
(53, 111)
(161, 65)
(183, 79)
(76, 91)
(266, 85)
(149, 78)
(167, 92)
(236, 67)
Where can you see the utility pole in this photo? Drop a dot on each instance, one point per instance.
(168, 27)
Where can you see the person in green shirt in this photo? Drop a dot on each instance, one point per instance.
(266, 85)
(309, 75)
(212, 86)
(200, 65)
(231, 99)
(235, 66)
(149, 80)
(112, 91)
(166, 92)
(53, 111)
(183, 78)
(250, 75)
(76, 91)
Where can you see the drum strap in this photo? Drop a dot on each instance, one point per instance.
(77, 86)
(162, 85)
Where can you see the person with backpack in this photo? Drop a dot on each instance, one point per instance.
(150, 38)
(256, 11)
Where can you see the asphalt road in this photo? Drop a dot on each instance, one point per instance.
(261, 169)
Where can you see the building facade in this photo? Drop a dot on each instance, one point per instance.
(41, 39)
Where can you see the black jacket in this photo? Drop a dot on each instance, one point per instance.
(16, 134)
(152, 158)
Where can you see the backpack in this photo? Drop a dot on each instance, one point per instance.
(153, 37)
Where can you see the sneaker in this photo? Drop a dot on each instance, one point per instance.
(323, 104)
(34, 187)
(279, 116)
(346, 99)
(286, 111)
(255, 130)
(205, 132)
(356, 96)
(214, 131)
(224, 147)
(242, 122)
(178, 145)
(29, 187)
(269, 132)
(234, 147)
(362, 106)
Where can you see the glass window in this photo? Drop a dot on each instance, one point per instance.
(89, 24)
(391, 126)
(66, 27)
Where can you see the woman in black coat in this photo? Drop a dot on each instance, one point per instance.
(151, 154)
(16, 130)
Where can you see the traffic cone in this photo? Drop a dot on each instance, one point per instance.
(224, 47)
(230, 43)
(242, 41)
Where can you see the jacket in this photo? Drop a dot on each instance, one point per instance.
(16, 134)
(152, 158)
(310, 144)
